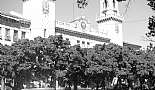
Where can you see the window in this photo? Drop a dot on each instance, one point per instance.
(88, 43)
(67, 39)
(15, 36)
(7, 34)
(78, 41)
(44, 32)
(106, 3)
(45, 7)
(114, 3)
(1, 33)
(83, 43)
(23, 35)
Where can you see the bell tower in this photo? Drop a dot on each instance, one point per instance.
(110, 21)
(42, 16)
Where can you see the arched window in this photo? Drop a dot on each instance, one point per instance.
(105, 3)
(114, 3)
(45, 6)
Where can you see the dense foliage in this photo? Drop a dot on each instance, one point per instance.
(107, 66)
(151, 24)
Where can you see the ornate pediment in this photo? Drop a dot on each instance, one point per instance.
(82, 24)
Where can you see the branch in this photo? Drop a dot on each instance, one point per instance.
(149, 39)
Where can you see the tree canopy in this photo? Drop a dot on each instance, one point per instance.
(151, 22)
(50, 59)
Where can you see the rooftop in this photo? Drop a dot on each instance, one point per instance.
(13, 16)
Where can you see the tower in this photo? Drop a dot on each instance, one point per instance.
(42, 16)
(110, 21)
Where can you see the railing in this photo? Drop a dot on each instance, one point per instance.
(73, 27)
(110, 15)
(65, 25)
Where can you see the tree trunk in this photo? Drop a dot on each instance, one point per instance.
(57, 85)
(15, 87)
(75, 85)
(2, 83)
(55, 82)
(106, 83)
(97, 86)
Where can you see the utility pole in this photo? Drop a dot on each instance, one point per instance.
(73, 11)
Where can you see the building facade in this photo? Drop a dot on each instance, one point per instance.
(110, 21)
(80, 32)
(41, 13)
(13, 28)
(38, 19)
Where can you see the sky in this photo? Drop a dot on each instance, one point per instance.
(135, 19)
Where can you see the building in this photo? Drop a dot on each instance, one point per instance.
(109, 23)
(41, 13)
(13, 28)
(39, 20)
(80, 32)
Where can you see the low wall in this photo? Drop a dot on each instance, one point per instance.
(39, 89)
(56, 89)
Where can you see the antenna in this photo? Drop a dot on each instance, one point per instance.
(127, 6)
(82, 4)
(73, 11)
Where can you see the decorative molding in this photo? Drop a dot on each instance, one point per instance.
(81, 35)
(14, 21)
(134, 46)
(109, 19)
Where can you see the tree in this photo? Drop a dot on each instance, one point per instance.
(131, 58)
(151, 3)
(7, 62)
(96, 70)
(140, 66)
(151, 24)
(28, 60)
(41, 57)
(103, 64)
(75, 66)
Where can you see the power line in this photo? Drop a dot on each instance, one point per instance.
(135, 21)
(126, 8)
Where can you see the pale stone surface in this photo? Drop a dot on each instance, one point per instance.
(112, 28)
(42, 16)
(41, 13)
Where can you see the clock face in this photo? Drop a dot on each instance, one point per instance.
(45, 6)
(83, 25)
